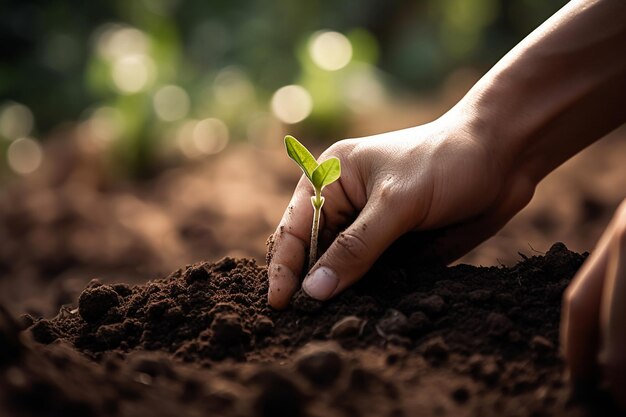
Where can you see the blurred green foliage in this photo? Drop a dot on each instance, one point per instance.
(62, 61)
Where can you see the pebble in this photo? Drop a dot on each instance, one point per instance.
(347, 327)
(541, 345)
(393, 322)
(433, 306)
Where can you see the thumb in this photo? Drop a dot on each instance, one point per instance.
(353, 252)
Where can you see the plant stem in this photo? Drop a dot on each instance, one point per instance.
(318, 202)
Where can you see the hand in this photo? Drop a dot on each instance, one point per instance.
(593, 326)
(439, 175)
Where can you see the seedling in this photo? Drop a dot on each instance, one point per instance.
(319, 175)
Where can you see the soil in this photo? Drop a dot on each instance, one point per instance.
(409, 339)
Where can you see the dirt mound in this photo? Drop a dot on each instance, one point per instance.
(408, 339)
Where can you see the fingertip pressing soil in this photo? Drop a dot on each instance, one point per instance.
(408, 339)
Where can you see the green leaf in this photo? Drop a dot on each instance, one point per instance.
(326, 173)
(299, 153)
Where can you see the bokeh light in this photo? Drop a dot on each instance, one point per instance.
(292, 104)
(330, 51)
(24, 155)
(133, 73)
(171, 103)
(210, 136)
(105, 125)
(16, 120)
(232, 87)
(117, 41)
(363, 90)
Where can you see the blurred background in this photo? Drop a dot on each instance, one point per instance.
(140, 135)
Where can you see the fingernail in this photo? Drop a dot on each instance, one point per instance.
(321, 283)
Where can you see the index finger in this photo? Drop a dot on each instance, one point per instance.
(287, 253)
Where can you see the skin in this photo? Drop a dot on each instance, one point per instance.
(467, 173)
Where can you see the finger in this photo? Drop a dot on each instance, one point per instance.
(613, 314)
(354, 251)
(581, 312)
(290, 244)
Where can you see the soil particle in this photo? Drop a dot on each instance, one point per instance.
(96, 301)
(44, 332)
(263, 326)
(303, 303)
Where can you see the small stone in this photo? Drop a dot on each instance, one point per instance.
(393, 322)
(347, 327)
(541, 345)
(94, 303)
(433, 306)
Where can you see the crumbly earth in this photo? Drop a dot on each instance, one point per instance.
(408, 339)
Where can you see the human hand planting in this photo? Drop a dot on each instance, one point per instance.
(424, 178)
(467, 173)
(593, 326)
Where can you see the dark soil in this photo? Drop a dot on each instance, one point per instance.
(407, 340)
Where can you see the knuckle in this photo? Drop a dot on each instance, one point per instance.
(351, 246)
(388, 190)
(340, 149)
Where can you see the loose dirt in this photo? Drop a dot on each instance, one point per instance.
(407, 340)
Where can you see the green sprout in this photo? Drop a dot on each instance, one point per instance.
(320, 175)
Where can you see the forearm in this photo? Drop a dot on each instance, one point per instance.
(560, 89)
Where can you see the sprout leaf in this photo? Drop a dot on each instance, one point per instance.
(301, 156)
(326, 173)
